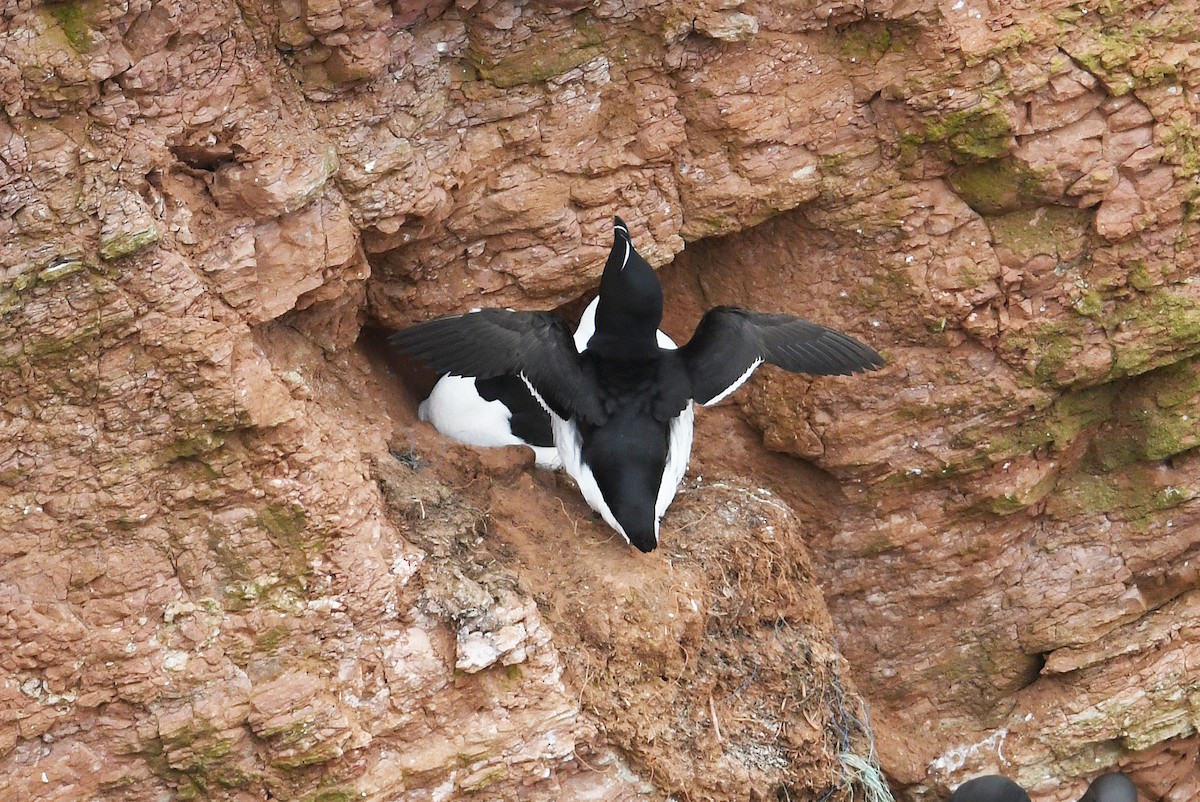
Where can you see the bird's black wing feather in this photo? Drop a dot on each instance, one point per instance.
(729, 341)
(497, 342)
(529, 420)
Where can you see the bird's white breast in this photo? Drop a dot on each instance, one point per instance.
(679, 452)
(456, 409)
(569, 443)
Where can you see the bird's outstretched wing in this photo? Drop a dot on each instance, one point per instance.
(730, 343)
(495, 342)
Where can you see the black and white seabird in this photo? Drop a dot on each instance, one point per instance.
(1111, 787)
(501, 411)
(989, 788)
(621, 411)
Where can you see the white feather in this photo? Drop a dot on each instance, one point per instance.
(587, 325)
(570, 449)
(736, 384)
(456, 409)
(536, 395)
(679, 450)
(546, 458)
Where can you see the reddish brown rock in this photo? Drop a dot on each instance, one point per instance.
(234, 564)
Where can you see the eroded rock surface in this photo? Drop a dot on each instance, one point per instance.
(233, 563)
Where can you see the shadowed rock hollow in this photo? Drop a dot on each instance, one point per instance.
(234, 564)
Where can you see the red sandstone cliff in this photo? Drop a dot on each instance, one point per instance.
(234, 567)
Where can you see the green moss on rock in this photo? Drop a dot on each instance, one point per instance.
(1145, 330)
(270, 640)
(866, 41)
(285, 522)
(1168, 324)
(545, 54)
(482, 781)
(299, 743)
(192, 445)
(59, 270)
(971, 135)
(322, 753)
(289, 529)
(122, 243)
(49, 348)
(1181, 146)
(72, 18)
(1168, 433)
(875, 544)
(1015, 500)
(883, 290)
(1050, 349)
(1157, 417)
(1127, 50)
(998, 186)
(1139, 276)
(1089, 493)
(198, 760)
(187, 736)
(1090, 304)
(1134, 493)
(1056, 426)
(1058, 231)
(339, 794)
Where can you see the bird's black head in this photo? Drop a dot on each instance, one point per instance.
(631, 302)
(989, 788)
(1114, 787)
(631, 498)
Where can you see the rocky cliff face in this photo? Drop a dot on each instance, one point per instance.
(234, 565)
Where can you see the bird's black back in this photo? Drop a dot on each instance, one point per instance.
(627, 453)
